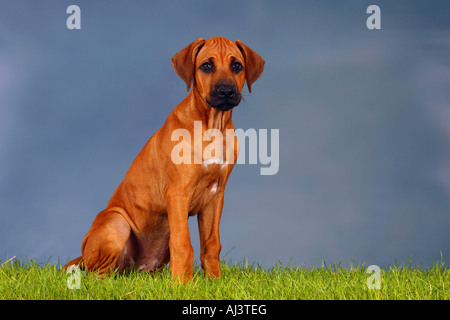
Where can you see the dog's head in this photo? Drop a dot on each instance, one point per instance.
(218, 69)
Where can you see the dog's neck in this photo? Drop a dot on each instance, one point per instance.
(211, 118)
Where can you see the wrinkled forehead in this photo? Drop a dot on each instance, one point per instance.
(220, 49)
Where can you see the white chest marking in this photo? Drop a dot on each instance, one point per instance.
(214, 188)
(211, 161)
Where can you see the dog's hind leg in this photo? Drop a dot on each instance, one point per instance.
(103, 244)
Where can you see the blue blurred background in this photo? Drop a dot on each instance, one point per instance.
(363, 116)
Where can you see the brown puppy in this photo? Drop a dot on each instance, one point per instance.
(145, 224)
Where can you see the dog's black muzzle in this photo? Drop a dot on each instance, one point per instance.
(224, 96)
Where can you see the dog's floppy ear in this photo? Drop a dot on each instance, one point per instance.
(184, 61)
(254, 64)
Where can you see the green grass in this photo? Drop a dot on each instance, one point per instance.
(32, 280)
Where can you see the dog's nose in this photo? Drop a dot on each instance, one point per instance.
(225, 91)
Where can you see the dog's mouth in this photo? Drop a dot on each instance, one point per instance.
(222, 106)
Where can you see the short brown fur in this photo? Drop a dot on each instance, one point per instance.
(145, 224)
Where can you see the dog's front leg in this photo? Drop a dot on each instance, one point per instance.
(181, 251)
(208, 226)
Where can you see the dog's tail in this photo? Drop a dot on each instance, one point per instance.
(77, 262)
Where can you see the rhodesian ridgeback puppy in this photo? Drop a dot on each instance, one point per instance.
(145, 224)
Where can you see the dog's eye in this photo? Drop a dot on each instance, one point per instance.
(206, 67)
(236, 66)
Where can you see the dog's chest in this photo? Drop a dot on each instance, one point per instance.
(208, 186)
